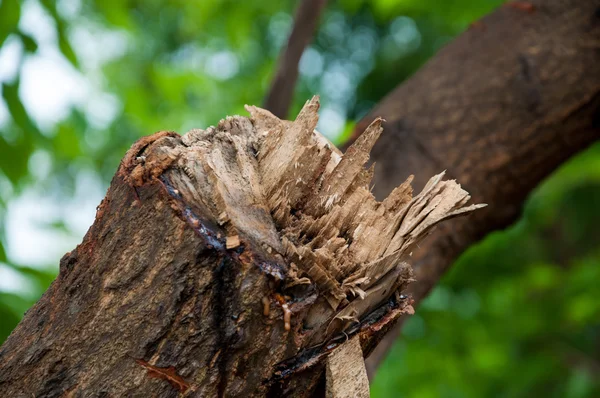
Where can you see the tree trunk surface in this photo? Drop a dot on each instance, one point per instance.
(499, 108)
(229, 262)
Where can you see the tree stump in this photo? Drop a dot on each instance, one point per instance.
(227, 262)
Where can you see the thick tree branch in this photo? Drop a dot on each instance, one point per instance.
(280, 93)
(499, 108)
(229, 262)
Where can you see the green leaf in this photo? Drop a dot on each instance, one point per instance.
(28, 42)
(10, 12)
(65, 47)
(9, 316)
(66, 142)
(116, 12)
(10, 93)
(2, 253)
(42, 277)
(20, 116)
(16, 152)
(12, 309)
(13, 161)
(61, 30)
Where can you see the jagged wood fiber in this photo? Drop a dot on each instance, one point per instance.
(227, 262)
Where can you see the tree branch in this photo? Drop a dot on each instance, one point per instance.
(499, 108)
(280, 94)
(229, 262)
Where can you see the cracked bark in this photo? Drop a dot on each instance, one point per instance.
(499, 108)
(229, 262)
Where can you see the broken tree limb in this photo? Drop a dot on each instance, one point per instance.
(281, 92)
(499, 108)
(230, 261)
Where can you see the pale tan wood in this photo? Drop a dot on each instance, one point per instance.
(346, 373)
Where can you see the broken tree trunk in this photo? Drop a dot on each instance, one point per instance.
(228, 262)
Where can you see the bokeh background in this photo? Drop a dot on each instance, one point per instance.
(517, 316)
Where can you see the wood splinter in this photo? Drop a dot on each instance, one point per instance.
(346, 375)
(232, 242)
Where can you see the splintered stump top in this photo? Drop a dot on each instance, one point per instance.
(231, 261)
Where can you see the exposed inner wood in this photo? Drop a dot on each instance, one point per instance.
(228, 261)
(283, 185)
(346, 373)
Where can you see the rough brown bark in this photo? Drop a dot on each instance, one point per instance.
(499, 108)
(281, 92)
(227, 262)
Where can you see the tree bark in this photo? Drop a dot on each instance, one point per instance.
(228, 262)
(499, 108)
(281, 92)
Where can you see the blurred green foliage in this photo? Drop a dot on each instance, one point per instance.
(517, 315)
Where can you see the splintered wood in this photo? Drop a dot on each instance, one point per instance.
(284, 185)
(285, 190)
(333, 230)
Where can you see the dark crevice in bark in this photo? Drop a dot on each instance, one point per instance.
(219, 313)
